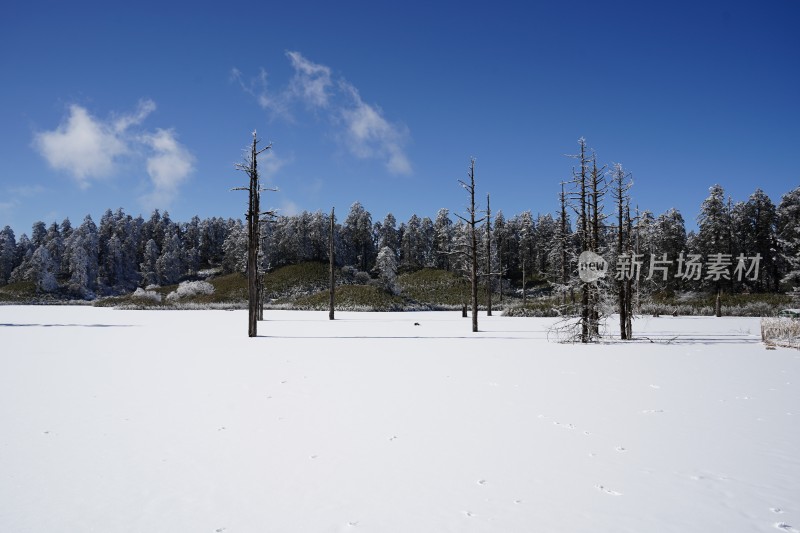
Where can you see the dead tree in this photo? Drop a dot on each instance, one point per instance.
(332, 261)
(488, 257)
(562, 244)
(253, 216)
(586, 201)
(580, 179)
(597, 188)
(622, 184)
(471, 251)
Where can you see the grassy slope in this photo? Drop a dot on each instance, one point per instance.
(305, 286)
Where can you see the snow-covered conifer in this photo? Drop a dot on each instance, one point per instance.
(8, 253)
(386, 265)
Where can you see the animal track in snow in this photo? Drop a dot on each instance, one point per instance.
(785, 527)
(469, 514)
(621, 449)
(481, 482)
(776, 510)
(601, 488)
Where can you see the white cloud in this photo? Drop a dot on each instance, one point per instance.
(90, 149)
(369, 134)
(311, 80)
(83, 146)
(86, 147)
(126, 121)
(288, 208)
(366, 133)
(257, 88)
(168, 167)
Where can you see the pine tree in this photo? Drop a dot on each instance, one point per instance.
(148, 268)
(714, 235)
(8, 254)
(760, 237)
(357, 237)
(788, 233)
(443, 238)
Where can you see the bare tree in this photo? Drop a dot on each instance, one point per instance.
(586, 200)
(332, 261)
(488, 257)
(622, 184)
(471, 251)
(253, 216)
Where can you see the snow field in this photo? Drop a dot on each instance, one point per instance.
(165, 421)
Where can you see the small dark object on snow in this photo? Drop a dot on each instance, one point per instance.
(675, 313)
(416, 323)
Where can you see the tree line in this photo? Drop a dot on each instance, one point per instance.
(123, 252)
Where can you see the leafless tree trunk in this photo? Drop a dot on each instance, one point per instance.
(332, 260)
(563, 242)
(524, 283)
(253, 217)
(472, 248)
(584, 237)
(623, 247)
(488, 258)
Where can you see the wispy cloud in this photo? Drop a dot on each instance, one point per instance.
(311, 80)
(168, 167)
(365, 131)
(257, 87)
(26, 191)
(90, 149)
(369, 134)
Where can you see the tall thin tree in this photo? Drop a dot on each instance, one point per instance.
(253, 216)
(488, 257)
(331, 264)
(471, 252)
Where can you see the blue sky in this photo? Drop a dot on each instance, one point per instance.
(147, 105)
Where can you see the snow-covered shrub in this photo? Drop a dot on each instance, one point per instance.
(144, 294)
(362, 278)
(190, 288)
(781, 331)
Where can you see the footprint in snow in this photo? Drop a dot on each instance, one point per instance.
(620, 449)
(776, 510)
(608, 491)
(469, 514)
(481, 482)
(785, 527)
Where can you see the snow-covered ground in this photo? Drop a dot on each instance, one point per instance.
(176, 421)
